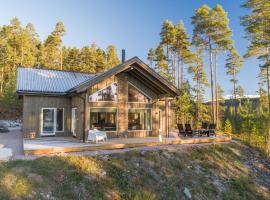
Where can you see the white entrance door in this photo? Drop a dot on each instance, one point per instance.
(48, 121)
(73, 121)
(160, 121)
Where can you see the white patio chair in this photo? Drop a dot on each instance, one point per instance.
(96, 135)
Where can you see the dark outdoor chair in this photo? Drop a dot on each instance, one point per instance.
(181, 130)
(204, 129)
(188, 130)
(212, 130)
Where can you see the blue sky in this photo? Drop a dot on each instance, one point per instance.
(130, 24)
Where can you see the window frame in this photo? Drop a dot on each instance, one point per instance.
(151, 119)
(90, 101)
(150, 98)
(63, 122)
(116, 130)
(47, 133)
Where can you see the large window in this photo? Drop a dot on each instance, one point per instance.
(135, 95)
(139, 119)
(103, 119)
(106, 94)
(60, 119)
(52, 120)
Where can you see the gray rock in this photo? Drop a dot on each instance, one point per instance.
(187, 193)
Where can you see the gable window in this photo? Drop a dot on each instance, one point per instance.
(139, 119)
(135, 95)
(103, 119)
(108, 93)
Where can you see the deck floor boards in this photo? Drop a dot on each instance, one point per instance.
(45, 146)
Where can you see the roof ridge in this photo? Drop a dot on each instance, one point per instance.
(71, 71)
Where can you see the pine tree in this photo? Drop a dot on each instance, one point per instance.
(151, 56)
(239, 90)
(112, 59)
(185, 105)
(257, 26)
(200, 78)
(161, 64)
(228, 127)
(182, 46)
(100, 56)
(51, 54)
(212, 32)
(223, 41)
(234, 63)
(204, 37)
(167, 36)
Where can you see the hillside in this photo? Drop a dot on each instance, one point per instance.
(219, 171)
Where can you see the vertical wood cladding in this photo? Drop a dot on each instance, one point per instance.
(33, 104)
(32, 113)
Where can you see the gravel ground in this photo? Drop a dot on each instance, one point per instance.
(13, 140)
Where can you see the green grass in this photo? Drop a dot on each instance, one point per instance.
(211, 172)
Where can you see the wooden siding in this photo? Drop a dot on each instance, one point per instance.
(78, 102)
(32, 114)
(33, 104)
(123, 105)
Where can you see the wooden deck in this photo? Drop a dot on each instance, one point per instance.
(45, 146)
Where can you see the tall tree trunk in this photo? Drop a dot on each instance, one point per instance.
(174, 68)
(21, 56)
(268, 91)
(2, 80)
(178, 70)
(268, 143)
(211, 82)
(216, 86)
(182, 73)
(234, 94)
(267, 74)
(61, 59)
(197, 103)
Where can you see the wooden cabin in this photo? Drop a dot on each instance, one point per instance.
(129, 100)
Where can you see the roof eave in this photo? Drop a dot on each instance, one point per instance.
(23, 92)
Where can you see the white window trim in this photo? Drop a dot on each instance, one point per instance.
(42, 133)
(73, 132)
(151, 119)
(142, 93)
(116, 117)
(101, 90)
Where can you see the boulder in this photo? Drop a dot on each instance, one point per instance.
(5, 153)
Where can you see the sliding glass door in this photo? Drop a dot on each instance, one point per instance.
(48, 121)
(52, 121)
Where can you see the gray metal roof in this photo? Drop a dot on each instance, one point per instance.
(32, 80)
